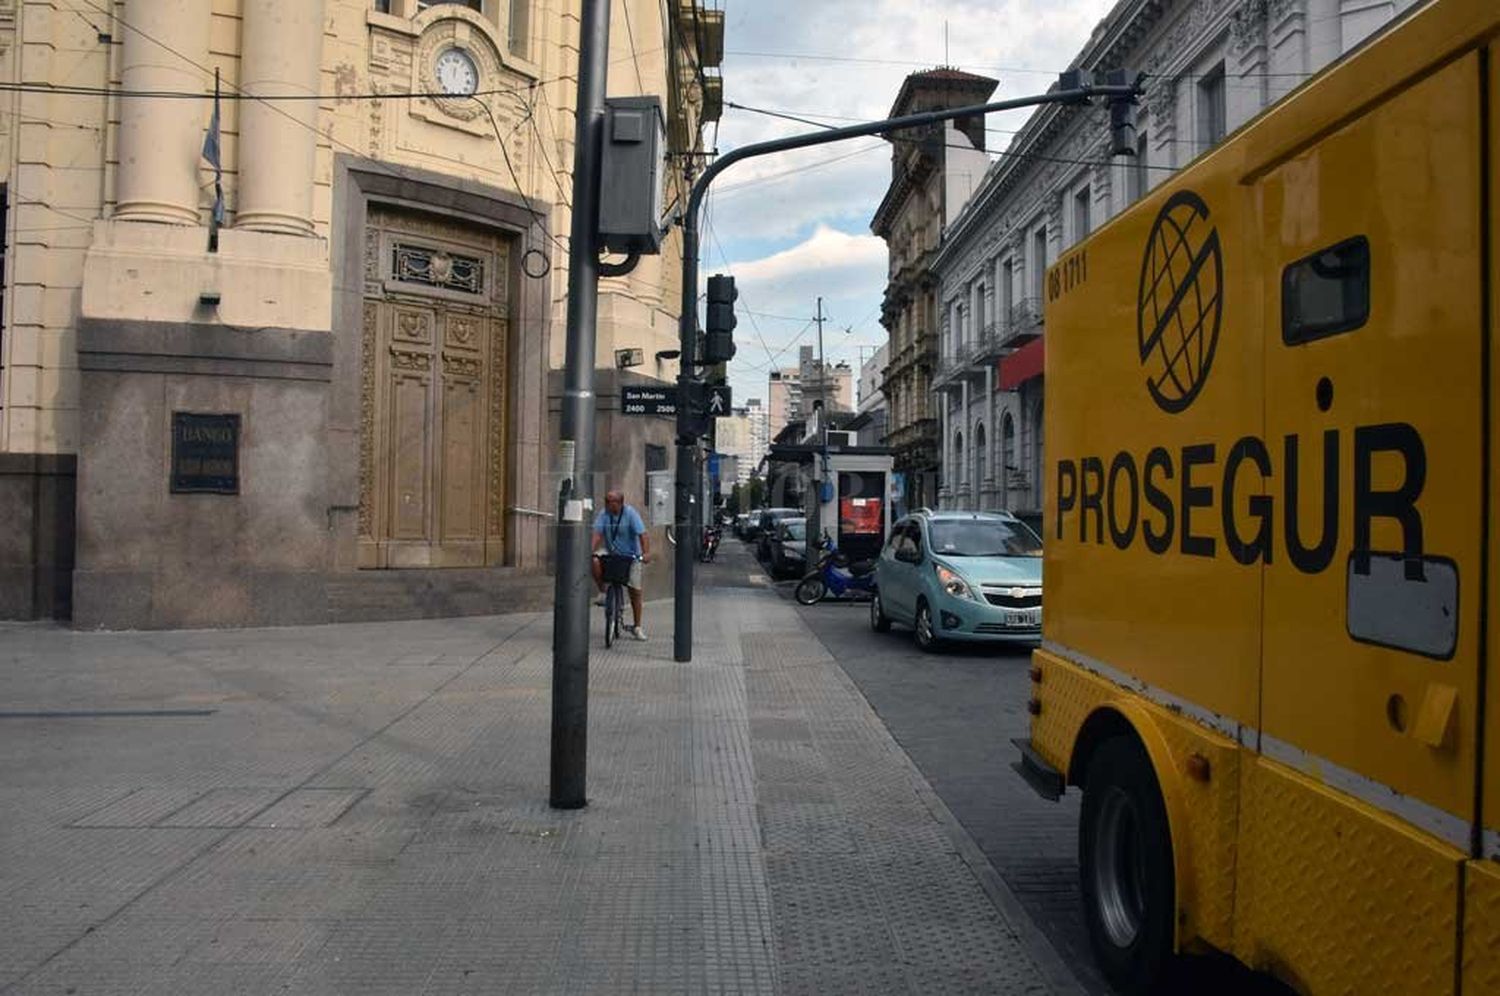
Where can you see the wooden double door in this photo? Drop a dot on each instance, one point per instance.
(434, 395)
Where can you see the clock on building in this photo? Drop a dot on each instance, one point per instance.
(456, 72)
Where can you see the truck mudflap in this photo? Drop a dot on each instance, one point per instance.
(1043, 778)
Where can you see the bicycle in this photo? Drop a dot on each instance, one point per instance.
(616, 577)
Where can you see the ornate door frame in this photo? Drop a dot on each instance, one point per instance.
(435, 344)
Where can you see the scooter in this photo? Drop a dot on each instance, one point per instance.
(835, 575)
(710, 544)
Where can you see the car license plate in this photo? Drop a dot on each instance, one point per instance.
(1026, 617)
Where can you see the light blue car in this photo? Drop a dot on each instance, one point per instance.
(970, 576)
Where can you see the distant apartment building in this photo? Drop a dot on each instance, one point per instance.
(760, 434)
(831, 383)
(734, 437)
(784, 394)
(871, 403)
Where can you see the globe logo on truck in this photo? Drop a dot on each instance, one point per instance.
(1181, 301)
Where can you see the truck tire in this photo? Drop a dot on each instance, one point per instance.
(1125, 867)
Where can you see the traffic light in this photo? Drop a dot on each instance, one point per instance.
(718, 339)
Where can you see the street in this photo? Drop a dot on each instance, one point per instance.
(955, 715)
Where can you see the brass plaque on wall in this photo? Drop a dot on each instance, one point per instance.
(205, 454)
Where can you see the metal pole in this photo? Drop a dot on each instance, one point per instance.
(686, 478)
(570, 613)
(682, 589)
(820, 462)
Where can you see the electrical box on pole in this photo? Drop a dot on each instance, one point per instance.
(718, 338)
(631, 182)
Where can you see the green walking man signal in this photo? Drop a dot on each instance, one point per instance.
(718, 338)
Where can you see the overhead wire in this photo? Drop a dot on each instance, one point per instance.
(392, 169)
(870, 60)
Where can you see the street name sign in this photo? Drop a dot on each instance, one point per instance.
(648, 400)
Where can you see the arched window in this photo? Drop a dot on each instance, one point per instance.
(1007, 457)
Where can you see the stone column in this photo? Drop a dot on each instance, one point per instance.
(283, 52)
(966, 455)
(161, 140)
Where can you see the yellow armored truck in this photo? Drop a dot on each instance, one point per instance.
(1270, 640)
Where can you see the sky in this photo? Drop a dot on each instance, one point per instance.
(796, 225)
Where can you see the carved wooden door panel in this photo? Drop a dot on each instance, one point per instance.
(433, 458)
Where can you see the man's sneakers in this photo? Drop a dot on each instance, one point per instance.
(636, 633)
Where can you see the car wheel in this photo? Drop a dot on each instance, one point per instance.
(879, 621)
(927, 637)
(1125, 867)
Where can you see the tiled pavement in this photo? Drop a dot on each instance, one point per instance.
(362, 808)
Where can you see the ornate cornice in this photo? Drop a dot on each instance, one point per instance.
(1247, 25)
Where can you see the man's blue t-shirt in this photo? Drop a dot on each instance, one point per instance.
(622, 534)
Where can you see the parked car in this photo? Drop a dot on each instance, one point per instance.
(766, 527)
(789, 548)
(741, 523)
(960, 576)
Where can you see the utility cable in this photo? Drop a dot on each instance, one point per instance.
(391, 169)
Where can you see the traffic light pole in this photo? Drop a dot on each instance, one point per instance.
(688, 379)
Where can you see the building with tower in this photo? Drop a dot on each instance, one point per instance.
(934, 170)
(286, 357)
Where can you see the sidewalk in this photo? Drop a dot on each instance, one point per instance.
(362, 809)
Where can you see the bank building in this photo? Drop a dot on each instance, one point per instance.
(294, 355)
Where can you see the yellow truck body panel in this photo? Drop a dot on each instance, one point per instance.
(1270, 538)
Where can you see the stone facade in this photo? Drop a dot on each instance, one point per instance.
(932, 172)
(1212, 65)
(381, 308)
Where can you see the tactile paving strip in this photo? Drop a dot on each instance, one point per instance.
(868, 893)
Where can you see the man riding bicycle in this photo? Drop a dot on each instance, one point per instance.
(619, 530)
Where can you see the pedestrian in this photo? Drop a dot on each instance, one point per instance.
(619, 530)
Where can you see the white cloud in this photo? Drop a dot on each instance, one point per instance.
(828, 254)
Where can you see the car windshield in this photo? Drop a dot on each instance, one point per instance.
(795, 529)
(984, 538)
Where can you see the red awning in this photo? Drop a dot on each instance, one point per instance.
(1022, 365)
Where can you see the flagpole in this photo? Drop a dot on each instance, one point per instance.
(218, 161)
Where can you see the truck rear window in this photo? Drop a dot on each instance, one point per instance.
(1326, 293)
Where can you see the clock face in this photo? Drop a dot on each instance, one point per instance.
(456, 73)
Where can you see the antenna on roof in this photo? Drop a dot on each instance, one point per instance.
(945, 44)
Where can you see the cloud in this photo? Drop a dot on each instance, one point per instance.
(847, 270)
(795, 225)
(829, 253)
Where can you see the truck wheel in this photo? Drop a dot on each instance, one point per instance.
(927, 637)
(1125, 866)
(879, 621)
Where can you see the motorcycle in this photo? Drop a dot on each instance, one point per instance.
(835, 574)
(710, 545)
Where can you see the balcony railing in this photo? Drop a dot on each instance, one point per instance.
(1024, 324)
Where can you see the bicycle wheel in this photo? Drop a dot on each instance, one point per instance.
(611, 614)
